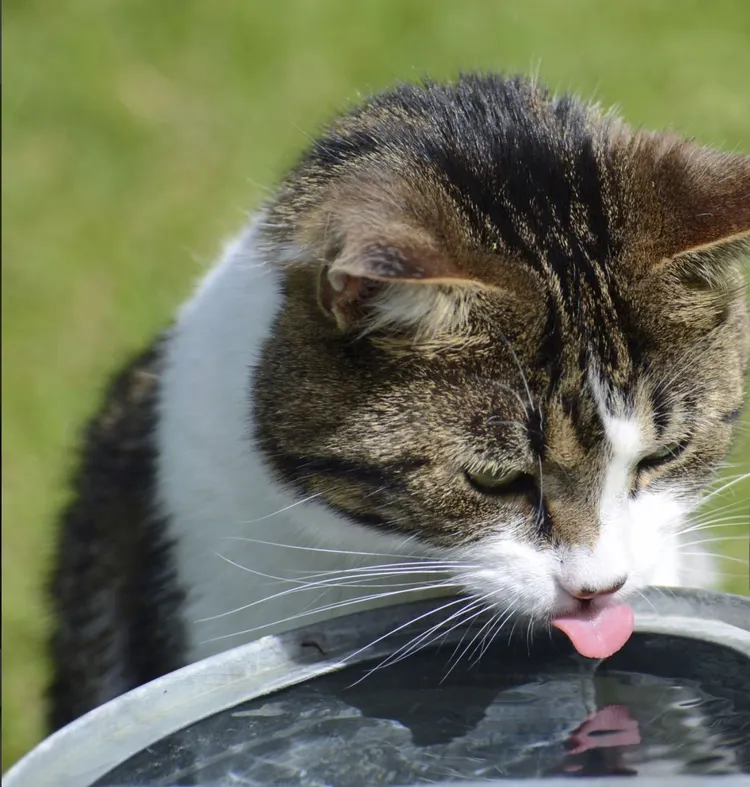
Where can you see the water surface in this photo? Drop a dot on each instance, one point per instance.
(662, 706)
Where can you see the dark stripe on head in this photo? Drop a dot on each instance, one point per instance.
(588, 433)
(535, 431)
(545, 523)
(552, 347)
(661, 410)
(298, 469)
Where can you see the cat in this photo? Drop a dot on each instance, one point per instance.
(483, 340)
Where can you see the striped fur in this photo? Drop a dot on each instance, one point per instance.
(486, 237)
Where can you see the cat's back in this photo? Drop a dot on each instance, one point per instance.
(113, 588)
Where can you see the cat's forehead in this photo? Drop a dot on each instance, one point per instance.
(524, 171)
(494, 172)
(502, 165)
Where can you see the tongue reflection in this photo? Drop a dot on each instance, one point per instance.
(598, 634)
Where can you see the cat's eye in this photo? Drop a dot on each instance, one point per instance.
(491, 482)
(665, 454)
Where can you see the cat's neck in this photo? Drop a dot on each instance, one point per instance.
(213, 484)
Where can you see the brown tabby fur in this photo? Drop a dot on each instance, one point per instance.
(636, 275)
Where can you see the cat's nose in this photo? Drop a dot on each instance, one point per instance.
(585, 593)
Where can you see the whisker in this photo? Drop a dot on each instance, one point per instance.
(463, 637)
(528, 634)
(330, 608)
(393, 569)
(712, 541)
(513, 628)
(723, 575)
(646, 599)
(408, 623)
(520, 370)
(431, 567)
(735, 507)
(476, 612)
(419, 642)
(321, 549)
(713, 509)
(495, 630)
(426, 639)
(486, 640)
(405, 568)
(457, 658)
(718, 557)
(300, 586)
(737, 480)
(725, 522)
(280, 511)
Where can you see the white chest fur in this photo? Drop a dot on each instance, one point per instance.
(214, 488)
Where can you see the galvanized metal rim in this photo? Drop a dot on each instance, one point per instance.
(93, 745)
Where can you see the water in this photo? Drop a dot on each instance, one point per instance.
(662, 706)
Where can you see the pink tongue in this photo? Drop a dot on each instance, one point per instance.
(600, 634)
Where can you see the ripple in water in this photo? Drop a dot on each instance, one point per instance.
(662, 706)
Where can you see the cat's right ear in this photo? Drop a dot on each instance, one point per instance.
(404, 284)
(706, 224)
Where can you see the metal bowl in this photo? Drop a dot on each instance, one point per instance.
(376, 698)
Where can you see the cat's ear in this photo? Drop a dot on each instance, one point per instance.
(401, 284)
(707, 198)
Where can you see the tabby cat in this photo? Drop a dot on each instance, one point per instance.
(482, 340)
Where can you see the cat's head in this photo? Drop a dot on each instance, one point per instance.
(514, 329)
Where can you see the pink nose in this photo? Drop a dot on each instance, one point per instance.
(586, 593)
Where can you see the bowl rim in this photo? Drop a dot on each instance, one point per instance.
(90, 747)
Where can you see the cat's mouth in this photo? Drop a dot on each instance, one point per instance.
(597, 632)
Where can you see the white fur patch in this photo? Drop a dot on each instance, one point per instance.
(637, 535)
(514, 577)
(215, 489)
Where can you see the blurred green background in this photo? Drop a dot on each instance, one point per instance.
(136, 133)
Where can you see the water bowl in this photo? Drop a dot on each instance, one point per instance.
(389, 697)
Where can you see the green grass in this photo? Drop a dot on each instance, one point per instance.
(136, 133)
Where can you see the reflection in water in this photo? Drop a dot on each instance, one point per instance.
(645, 711)
(609, 728)
(605, 728)
(659, 727)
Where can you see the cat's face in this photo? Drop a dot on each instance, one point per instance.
(512, 330)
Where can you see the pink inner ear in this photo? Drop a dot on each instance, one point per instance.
(340, 292)
(343, 282)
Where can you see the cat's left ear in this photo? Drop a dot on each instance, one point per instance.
(707, 196)
(401, 283)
